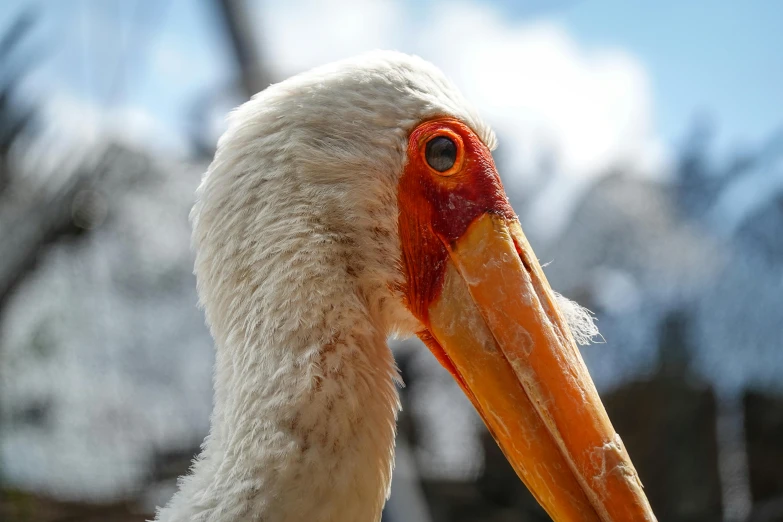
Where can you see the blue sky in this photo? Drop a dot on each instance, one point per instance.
(715, 58)
(720, 58)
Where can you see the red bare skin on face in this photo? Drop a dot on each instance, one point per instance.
(436, 208)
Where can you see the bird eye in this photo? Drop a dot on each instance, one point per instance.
(441, 153)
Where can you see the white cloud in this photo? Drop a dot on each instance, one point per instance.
(302, 34)
(80, 125)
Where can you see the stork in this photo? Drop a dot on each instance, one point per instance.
(351, 203)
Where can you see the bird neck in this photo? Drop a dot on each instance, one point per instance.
(305, 403)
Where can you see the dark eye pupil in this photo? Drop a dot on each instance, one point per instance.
(441, 153)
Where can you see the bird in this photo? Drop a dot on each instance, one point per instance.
(352, 203)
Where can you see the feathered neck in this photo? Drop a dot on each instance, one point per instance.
(297, 290)
(305, 403)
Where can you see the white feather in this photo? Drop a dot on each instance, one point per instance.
(580, 320)
(295, 232)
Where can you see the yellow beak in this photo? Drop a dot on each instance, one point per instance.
(497, 324)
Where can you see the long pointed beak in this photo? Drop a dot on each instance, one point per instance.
(497, 328)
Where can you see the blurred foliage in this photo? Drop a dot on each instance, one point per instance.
(16, 120)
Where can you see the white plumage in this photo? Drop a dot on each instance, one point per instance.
(297, 252)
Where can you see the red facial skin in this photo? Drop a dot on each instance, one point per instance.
(436, 209)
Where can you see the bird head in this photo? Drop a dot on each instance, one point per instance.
(376, 171)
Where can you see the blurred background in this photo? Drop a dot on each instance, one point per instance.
(641, 144)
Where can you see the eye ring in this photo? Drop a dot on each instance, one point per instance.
(443, 152)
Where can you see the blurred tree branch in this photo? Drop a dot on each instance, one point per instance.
(30, 227)
(14, 120)
(254, 73)
(254, 76)
(35, 216)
